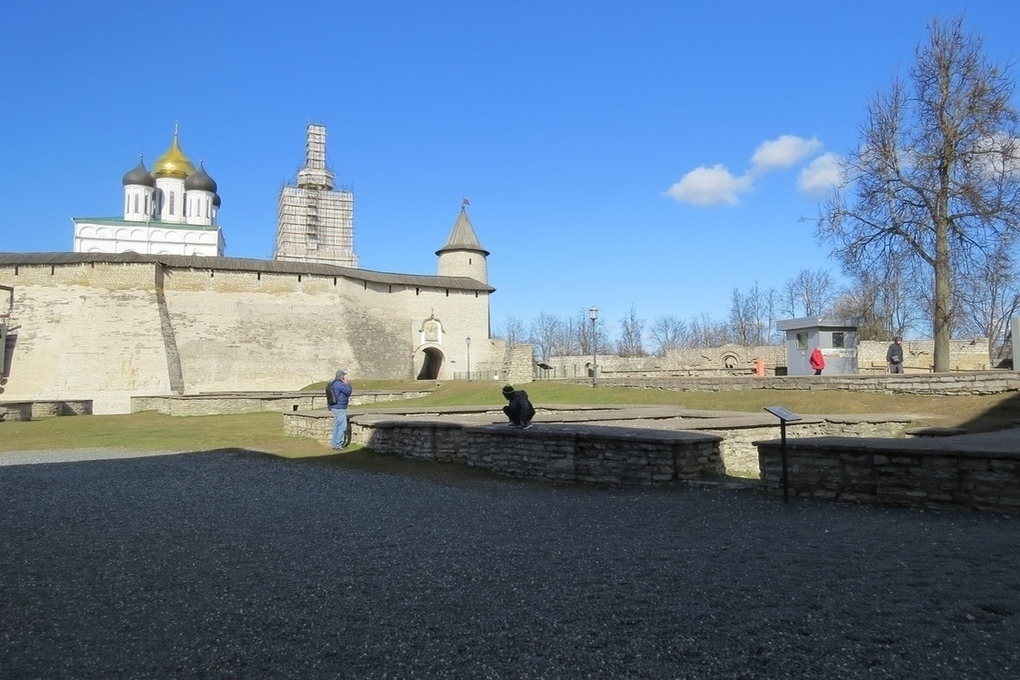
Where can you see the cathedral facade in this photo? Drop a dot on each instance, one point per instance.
(169, 211)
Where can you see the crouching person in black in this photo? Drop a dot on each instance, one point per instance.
(519, 410)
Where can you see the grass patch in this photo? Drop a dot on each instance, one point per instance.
(151, 431)
(983, 412)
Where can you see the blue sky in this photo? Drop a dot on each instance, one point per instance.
(650, 153)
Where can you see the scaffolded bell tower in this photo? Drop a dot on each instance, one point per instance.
(315, 222)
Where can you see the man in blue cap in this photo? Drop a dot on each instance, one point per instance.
(338, 395)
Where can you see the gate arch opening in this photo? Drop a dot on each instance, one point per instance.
(431, 364)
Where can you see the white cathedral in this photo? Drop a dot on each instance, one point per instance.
(170, 211)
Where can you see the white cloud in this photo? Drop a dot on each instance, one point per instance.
(821, 175)
(709, 186)
(997, 155)
(716, 185)
(783, 152)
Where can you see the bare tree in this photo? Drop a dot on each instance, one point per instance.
(772, 303)
(632, 330)
(882, 302)
(668, 333)
(987, 296)
(752, 315)
(512, 331)
(708, 332)
(936, 173)
(810, 293)
(588, 338)
(861, 304)
(546, 335)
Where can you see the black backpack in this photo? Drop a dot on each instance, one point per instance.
(330, 395)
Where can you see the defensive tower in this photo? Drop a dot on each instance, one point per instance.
(315, 222)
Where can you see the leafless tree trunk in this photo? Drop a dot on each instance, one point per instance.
(668, 333)
(632, 330)
(752, 315)
(937, 173)
(513, 331)
(810, 293)
(987, 297)
(708, 332)
(546, 334)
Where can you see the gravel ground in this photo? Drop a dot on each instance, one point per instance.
(239, 565)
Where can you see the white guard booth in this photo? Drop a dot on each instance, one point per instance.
(837, 340)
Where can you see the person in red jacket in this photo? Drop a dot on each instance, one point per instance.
(817, 361)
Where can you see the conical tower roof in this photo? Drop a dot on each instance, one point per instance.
(463, 236)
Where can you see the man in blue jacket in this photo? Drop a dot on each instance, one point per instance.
(338, 395)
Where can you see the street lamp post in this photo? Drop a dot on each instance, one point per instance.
(467, 341)
(593, 314)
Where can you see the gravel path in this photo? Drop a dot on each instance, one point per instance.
(238, 565)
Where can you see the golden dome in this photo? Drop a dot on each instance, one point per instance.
(173, 163)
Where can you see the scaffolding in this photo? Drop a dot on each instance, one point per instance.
(315, 222)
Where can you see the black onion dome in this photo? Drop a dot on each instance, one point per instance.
(200, 181)
(139, 176)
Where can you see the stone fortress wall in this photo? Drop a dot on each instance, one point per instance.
(965, 355)
(107, 327)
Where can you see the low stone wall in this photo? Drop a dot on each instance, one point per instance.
(936, 384)
(553, 452)
(402, 433)
(33, 410)
(596, 455)
(739, 445)
(964, 355)
(440, 442)
(902, 472)
(255, 402)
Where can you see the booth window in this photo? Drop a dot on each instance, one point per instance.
(801, 340)
(837, 339)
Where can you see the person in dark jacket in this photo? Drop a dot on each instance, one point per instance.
(338, 395)
(519, 410)
(894, 356)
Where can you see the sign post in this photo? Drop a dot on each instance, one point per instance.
(784, 416)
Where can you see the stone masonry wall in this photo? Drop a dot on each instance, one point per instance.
(109, 331)
(898, 473)
(34, 410)
(965, 355)
(598, 455)
(605, 455)
(984, 382)
(919, 355)
(224, 404)
(739, 445)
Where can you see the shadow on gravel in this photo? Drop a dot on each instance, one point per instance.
(369, 461)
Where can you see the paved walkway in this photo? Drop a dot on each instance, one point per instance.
(239, 565)
(74, 455)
